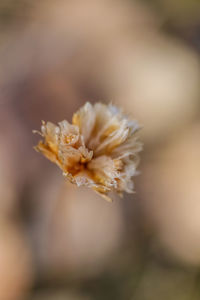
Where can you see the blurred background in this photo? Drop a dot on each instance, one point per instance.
(59, 242)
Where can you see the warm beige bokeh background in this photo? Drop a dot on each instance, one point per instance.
(57, 241)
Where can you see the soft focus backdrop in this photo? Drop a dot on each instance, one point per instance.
(60, 242)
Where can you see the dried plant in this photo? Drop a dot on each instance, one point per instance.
(99, 149)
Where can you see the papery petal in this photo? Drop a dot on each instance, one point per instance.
(51, 134)
(47, 152)
(105, 123)
(105, 170)
(85, 119)
(113, 140)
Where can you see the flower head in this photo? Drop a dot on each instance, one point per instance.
(99, 149)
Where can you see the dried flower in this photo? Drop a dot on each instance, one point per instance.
(99, 149)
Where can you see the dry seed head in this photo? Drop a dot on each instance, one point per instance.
(99, 149)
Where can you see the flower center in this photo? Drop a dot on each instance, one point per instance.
(70, 138)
